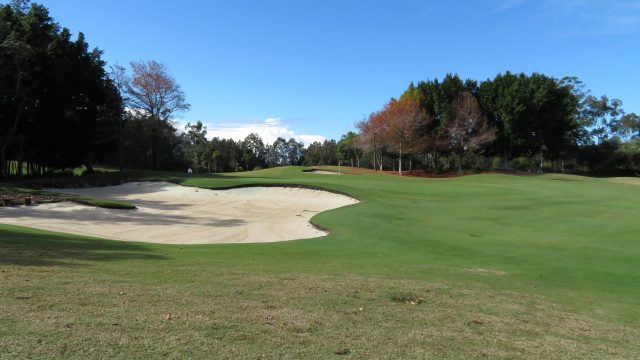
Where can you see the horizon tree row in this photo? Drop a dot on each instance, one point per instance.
(512, 121)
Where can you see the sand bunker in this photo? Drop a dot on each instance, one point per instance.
(173, 214)
(323, 172)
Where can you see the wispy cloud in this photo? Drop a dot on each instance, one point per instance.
(269, 130)
(571, 18)
(593, 17)
(506, 6)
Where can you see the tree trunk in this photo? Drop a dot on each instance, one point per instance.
(89, 167)
(460, 153)
(20, 153)
(400, 162)
(3, 161)
(154, 145)
(375, 159)
(504, 159)
(120, 146)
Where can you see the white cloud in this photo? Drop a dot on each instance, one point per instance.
(269, 130)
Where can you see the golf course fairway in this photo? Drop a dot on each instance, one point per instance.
(478, 266)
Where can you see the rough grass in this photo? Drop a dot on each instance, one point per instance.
(212, 313)
(506, 267)
(84, 200)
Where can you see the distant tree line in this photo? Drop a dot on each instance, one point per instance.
(513, 121)
(251, 153)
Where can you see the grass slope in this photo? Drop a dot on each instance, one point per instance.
(507, 267)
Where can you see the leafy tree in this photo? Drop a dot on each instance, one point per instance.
(371, 135)
(215, 159)
(253, 151)
(630, 153)
(403, 119)
(295, 152)
(196, 145)
(58, 108)
(628, 126)
(313, 154)
(503, 103)
(348, 150)
(280, 152)
(328, 152)
(136, 143)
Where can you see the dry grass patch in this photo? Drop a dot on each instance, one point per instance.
(480, 271)
(49, 313)
(626, 180)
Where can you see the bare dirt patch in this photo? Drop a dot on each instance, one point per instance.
(173, 214)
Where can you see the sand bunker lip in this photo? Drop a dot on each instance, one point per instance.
(174, 214)
(322, 172)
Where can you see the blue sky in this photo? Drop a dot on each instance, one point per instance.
(312, 69)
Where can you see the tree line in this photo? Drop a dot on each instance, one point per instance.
(62, 108)
(513, 121)
(58, 107)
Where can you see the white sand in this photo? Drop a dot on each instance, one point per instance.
(324, 172)
(173, 214)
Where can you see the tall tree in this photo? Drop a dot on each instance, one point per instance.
(156, 93)
(280, 151)
(468, 129)
(371, 135)
(295, 151)
(628, 126)
(403, 118)
(348, 150)
(253, 151)
(196, 144)
(57, 104)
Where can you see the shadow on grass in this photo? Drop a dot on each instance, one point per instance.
(30, 247)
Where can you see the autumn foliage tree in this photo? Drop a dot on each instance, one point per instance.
(402, 120)
(152, 91)
(370, 139)
(468, 129)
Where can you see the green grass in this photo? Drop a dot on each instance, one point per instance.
(507, 267)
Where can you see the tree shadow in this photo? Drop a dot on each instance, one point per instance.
(30, 247)
(92, 215)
